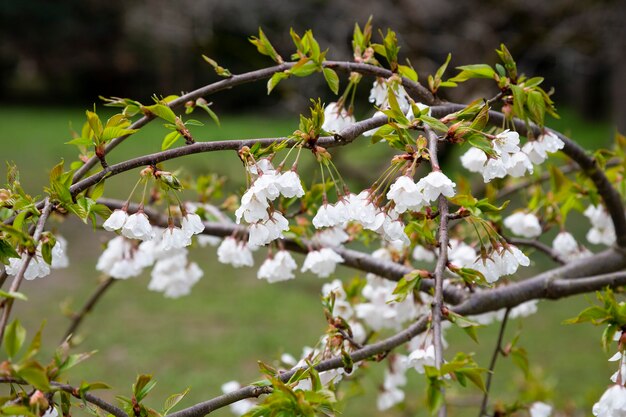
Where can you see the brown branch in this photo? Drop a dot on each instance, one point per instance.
(78, 318)
(19, 277)
(442, 261)
(97, 401)
(540, 246)
(496, 352)
(588, 164)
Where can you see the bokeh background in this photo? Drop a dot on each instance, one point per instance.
(57, 57)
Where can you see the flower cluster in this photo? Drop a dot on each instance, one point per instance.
(278, 268)
(502, 261)
(565, 245)
(267, 224)
(37, 267)
(602, 231)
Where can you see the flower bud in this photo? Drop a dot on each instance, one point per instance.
(38, 399)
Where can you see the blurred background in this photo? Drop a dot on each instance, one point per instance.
(57, 57)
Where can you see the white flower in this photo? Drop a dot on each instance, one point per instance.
(122, 260)
(538, 150)
(379, 95)
(388, 398)
(266, 187)
(518, 164)
(263, 233)
(192, 224)
(506, 142)
(422, 357)
(240, 407)
(393, 230)
(420, 253)
(322, 262)
(539, 409)
(405, 194)
(290, 185)
(435, 184)
(278, 268)
(495, 168)
(59, 255)
(523, 224)
(137, 226)
(474, 160)
(504, 261)
(235, 253)
(612, 403)
(51, 412)
(326, 216)
(564, 244)
(602, 231)
(262, 166)
(336, 119)
(460, 253)
(37, 267)
(252, 208)
(331, 237)
(551, 142)
(174, 276)
(174, 238)
(342, 307)
(115, 221)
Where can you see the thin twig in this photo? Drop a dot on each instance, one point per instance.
(440, 268)
(496, 352)
(78, 318)
(17, 281)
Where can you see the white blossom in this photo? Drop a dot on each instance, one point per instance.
(565, 245)
(523, 224)
(191, 224)
(342, 308)
(336, 119)
(518, 164)
(290, 185)
(506, 143)
(422, 357)
(116, 220)
(262, 166)
(59, 255)
(208, 240)
(405, 194)
(122, 259)
(504, 261)
(234, 253)
(602, 230)
(612, 403)
(322, 262)
(460, 253)
(538, 150)
(495, 168)
(174, 276)
(137, 226)
(280, 267)
(331, 237)
(379, 95)
(393, 230)
(326, 216)
(253, 208)
(174, 238)
(51, 412)
(262, 233)
(420, 253)
(474, 160)
(540, 409)
(37, 267)
(388, 398)
(435, 184)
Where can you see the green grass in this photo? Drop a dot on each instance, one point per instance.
(231, 319)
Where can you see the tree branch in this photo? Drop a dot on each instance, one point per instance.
(492, 365)
(78, 318)
(442, 261)
(17, 281)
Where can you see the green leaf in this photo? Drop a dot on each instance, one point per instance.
(276, 78)
(443, 67)
(113, 132)
(14, 337)
(519, 100)
(408, 72)
(473, 71)
(406, 285)
(143, 386)
(332, 79)
(172, 400)
(210, 112)
(33, 373)
(434, 123)
(536, 107)
(13, 294)
(7, 251)
(170, 139)
(264, 46)
(162, 111)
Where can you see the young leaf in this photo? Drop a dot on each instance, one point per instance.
(276, 78)
(170, 139)
(172, 400)
(14, 337)
(332, 79)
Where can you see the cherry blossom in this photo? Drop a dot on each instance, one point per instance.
(420, 253)
(612, 403)
(336, 118)
(322, 262)
(435, 184)
(540, 409)
(174, 275)
(422, 357)
(191, 224)
(278, 268)
(405, 194)
(137, 226)
(174, 238)
(290, 185)
(116, 220)
(523, 224)
(235, 253)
